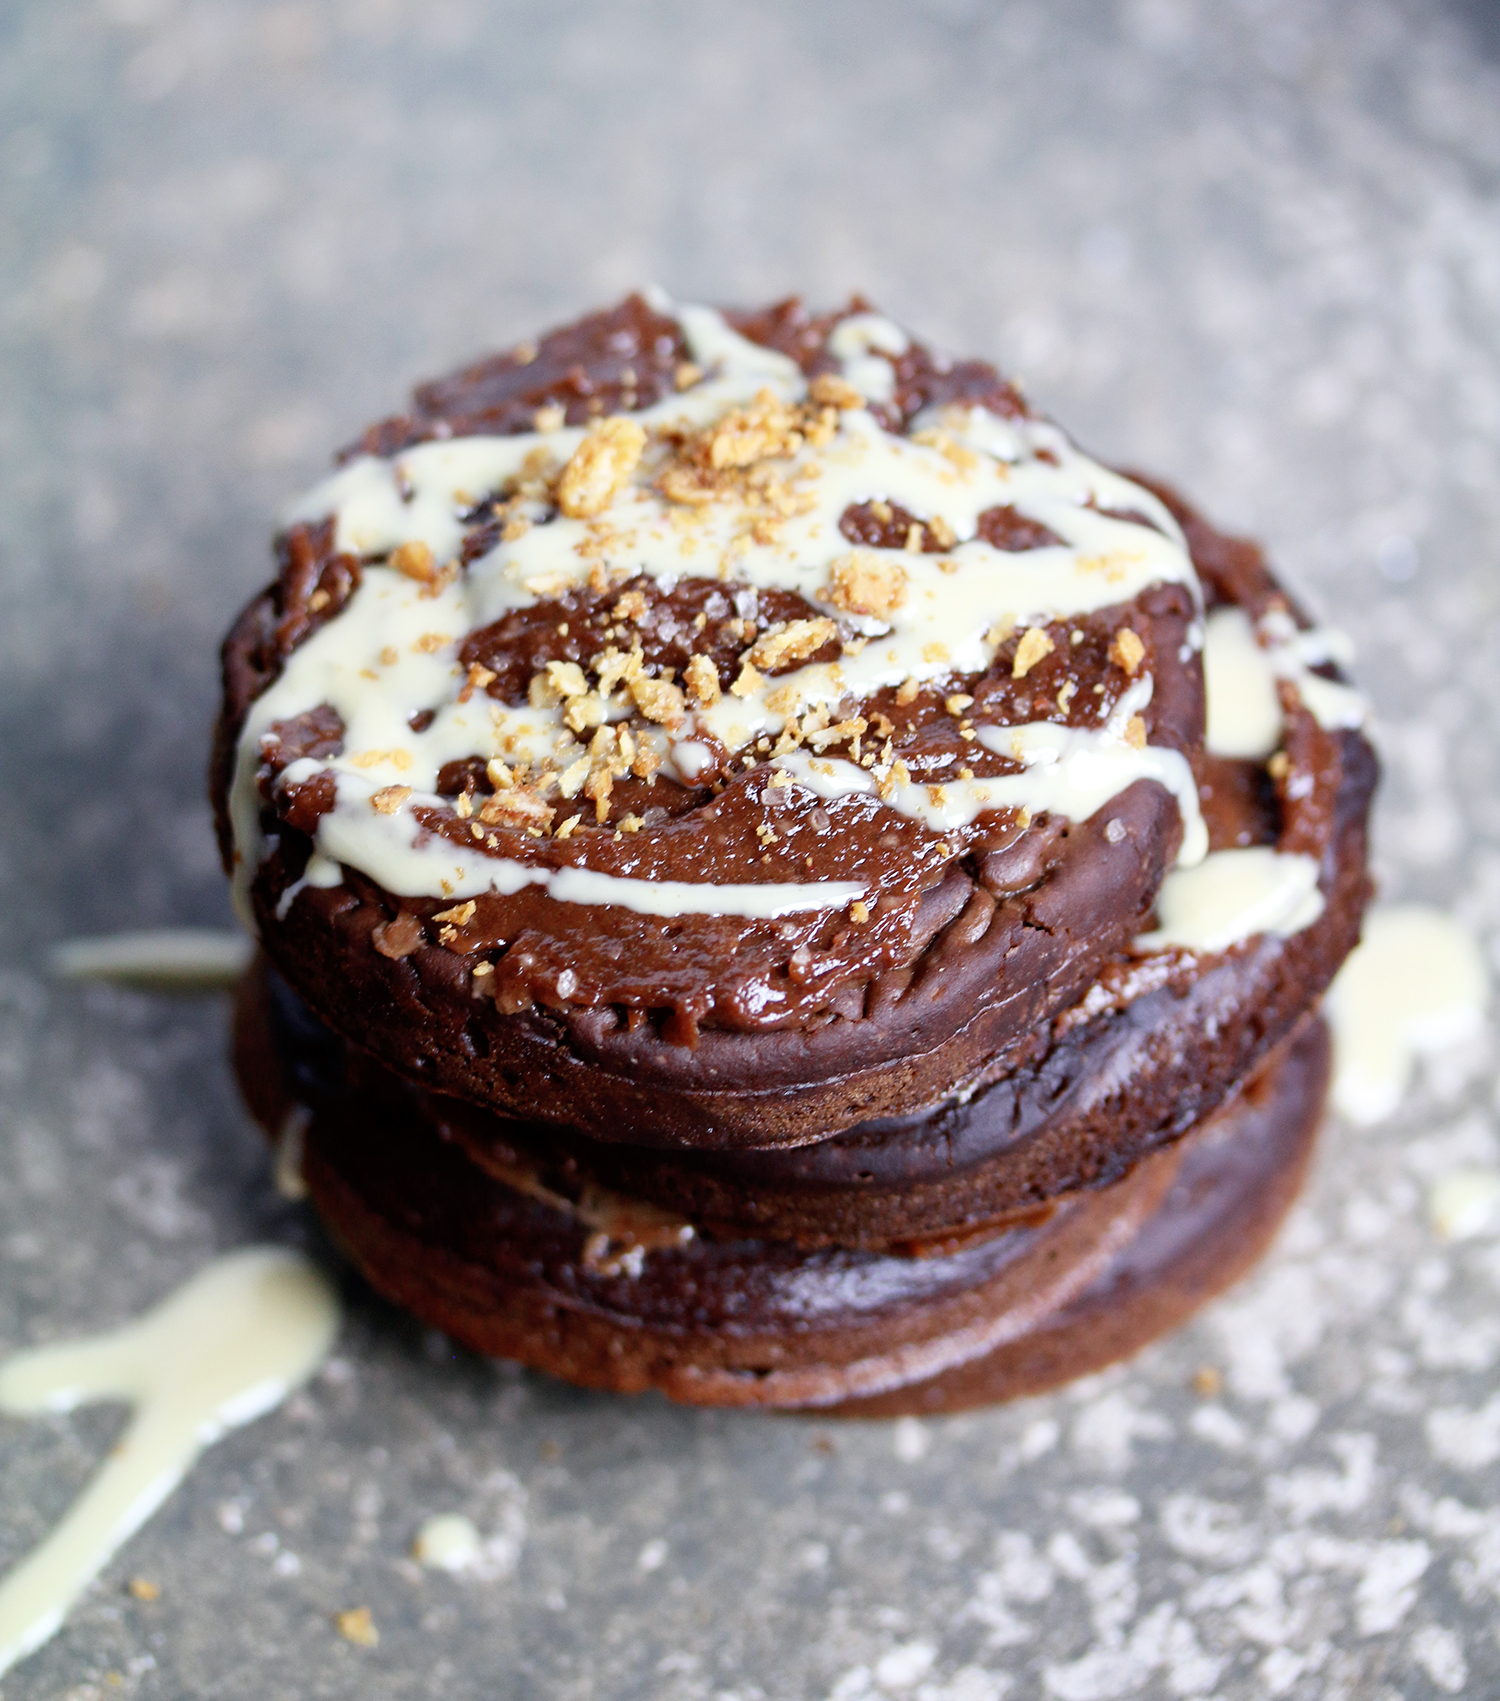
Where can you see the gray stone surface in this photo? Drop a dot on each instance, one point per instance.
(1250, 243)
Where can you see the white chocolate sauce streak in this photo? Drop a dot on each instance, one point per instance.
(1232, 895)
(169, 959)
(1241, 665)
(225, 1348)
(391, 651)
(1416, 983)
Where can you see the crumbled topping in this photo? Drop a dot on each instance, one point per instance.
(517, 806)
(398, 938)
(749, 682)
(958, 454)
(830, 391)
(460, 915)
(389, 799)
(415, 560)
(793, 642)
(1135, 732)
(1034, 645)
(357, 1626)
(373, 758)
(658, 701)
(702, 680)
(863, 582)
(601, 467)
(1127, 650)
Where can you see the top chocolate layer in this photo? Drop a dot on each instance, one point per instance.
(724, 745)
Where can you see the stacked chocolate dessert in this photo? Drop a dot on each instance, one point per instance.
(755, 898)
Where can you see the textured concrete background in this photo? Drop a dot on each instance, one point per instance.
(1252, 244)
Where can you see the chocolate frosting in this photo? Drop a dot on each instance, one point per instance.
(714, 1030)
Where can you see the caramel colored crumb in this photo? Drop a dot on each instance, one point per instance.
(830, 391)
(1135, 732)
(357, 1626)
(658, 701)
(415, 560)
(600, 468)
(702, 679)
(400, 937)
(863, 583)
(1207, 1381)
(389, 799)
(1034, 645)
(1127, 650)
(143, 1589)
(795, 641)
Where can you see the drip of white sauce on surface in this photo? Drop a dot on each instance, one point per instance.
(1464, 1203)
(447, 1542)
(391, 651)
(187, 959)
(1415, 984)
(225, 1348)
(1232, 895)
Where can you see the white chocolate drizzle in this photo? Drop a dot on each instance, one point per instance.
(225, 1348)
(391, 651)
(169, 959)
(1242, 664)
(1244, 710)
(1415, 984)
(1231, 896)
(1068, 772)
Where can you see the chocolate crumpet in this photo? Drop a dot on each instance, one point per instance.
(779, 878)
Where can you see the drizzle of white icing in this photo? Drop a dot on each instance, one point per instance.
(1415, 984)
(857, 344)
(1231, 896)
(1068, 771)
(190, 959)
(1294, 653)
(1242, 663)
(225, 1348)
(1244, 711)
(367, 664)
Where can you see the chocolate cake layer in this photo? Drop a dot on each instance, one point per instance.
(580, 1293)
(718, 1030)
(1155, 1045)
(1227, 1200)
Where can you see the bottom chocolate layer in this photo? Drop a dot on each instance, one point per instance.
(1239, 1176)
(612, 1294)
